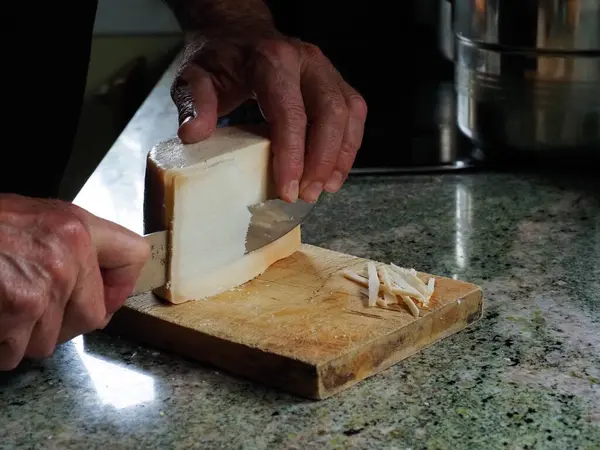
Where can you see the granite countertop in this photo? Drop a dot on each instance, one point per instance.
(527, 375)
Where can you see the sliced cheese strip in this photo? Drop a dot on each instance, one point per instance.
(361, 280)
(404, 286)
(388, 294)
(411, 305)
(373, 283)
(410, 276)
(349, 274)
(378, 300)
(431, 286)
(201, 193)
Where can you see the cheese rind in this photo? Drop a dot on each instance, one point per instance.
(201, 193)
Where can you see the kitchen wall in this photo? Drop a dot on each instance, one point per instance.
(125, 30)
(134, 17)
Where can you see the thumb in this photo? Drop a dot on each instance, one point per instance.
(196, 99)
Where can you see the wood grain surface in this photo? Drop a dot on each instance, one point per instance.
(301, 326)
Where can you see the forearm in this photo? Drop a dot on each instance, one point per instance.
(214, 18)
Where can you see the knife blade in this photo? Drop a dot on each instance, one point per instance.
(270, 220)
(273, 219)
(154, 272)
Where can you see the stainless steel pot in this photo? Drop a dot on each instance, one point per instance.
(528, 73)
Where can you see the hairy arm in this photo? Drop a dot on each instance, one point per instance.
(215, 18)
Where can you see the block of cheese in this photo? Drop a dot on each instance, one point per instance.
(201, 193)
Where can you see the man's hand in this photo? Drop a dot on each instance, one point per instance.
(63, 272)
(316, 119)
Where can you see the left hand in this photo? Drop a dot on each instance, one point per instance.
(295, 84)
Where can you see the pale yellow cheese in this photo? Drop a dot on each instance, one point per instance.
(201, 193)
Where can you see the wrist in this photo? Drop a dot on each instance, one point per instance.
(236, 33)
(216, 19)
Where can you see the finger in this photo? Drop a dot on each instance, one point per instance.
(85, 310)
(121, 256)
(328, 115)
(44, 336)
(13, 346)
(197, 103)
(277, 90)
(107, 320)
(352, 139)
(118, 286)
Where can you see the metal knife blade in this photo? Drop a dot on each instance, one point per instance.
(273, 219)
(270, 220)
(154, 272)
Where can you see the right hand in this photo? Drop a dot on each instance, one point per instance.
(63, 272)
(294, 84)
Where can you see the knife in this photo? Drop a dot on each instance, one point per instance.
(270, 220)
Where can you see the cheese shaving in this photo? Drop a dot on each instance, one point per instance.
(410, 276)
(393, 282)
(373, 283)
(411, 305)
(404, 287)
(430, 286)
(378, 301)
(353, 276)
(381, 302)
(388, 294)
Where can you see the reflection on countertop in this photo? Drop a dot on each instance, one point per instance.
(526, 376)
(115, 384)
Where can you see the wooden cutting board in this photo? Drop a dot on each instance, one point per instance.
(301, 326)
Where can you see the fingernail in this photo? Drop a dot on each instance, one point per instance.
(335, 182)
(304, 185)
(291, 191)
(186, 120)
(312, 192)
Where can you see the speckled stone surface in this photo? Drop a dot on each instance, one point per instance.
(526, 376)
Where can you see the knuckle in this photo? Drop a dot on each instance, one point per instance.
(60, 273)
(349, 148)
(336, 108)
(327, 160)
(32, 304)
(358, 106)
(312, 51)
(295, 160)
(27, 301)
(9, 302)
(291, 157)
(296, 116)
(67, 237)
(69, 226)
(275, 49)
